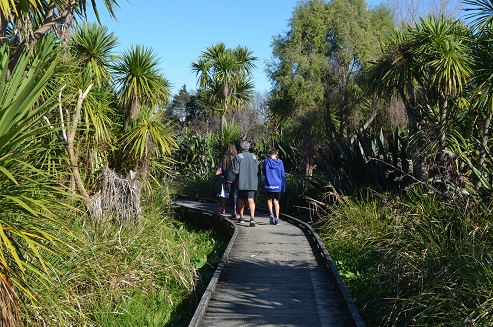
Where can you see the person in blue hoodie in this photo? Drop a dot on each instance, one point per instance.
(274, 184)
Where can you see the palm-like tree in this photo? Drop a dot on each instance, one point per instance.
(86, 63)
(480, 12)
(149, 139)
(432, 59)
(243, 94)
(16, 9)
(92, 49)
(481, 15)
(138, 81)
(225, 75)
(444, 48)
(27, 198)
(397, 72)
(92, 46)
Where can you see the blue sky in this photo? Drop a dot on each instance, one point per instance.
(178, 31)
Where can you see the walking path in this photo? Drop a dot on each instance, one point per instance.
(275, 276)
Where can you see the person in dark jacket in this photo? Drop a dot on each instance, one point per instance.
(274, 184)
(246, 167)
(228, 187)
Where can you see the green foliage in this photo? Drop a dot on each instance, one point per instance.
(413, 261)
(196, 162)
(86, 62)
(442, 46)
(38, 15)
(98, 128)
(273, 137)
(480, 175)
(138, 81)
(428, 65)
(92, 45)
(371, 160)
(480, 12)
(143, 274)
(148, 139)
(225, 76)
(231, 134)
(198, 155)
(319, 71)
(27, 195)
(177, 110)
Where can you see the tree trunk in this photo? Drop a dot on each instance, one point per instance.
(443, 126)
(9, 305)
(412, 129)
(309, 167)
(411, 116)
(486, 136)
(71, 152)
(72, 184)
(133, 112)
(48, 23)
(223, 123)
(484, 144)
(76, 173)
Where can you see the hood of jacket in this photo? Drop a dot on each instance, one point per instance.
(272, 163)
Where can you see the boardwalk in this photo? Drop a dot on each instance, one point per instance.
(274, 277)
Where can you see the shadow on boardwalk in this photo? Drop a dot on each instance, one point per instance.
(274, 276)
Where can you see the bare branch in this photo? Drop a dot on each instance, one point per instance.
(64, 132)
(59, 137)
(75, 121)
(71, 152)
(48, 23)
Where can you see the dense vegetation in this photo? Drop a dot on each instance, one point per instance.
(150, 273)
(383, 123)
(87, 234)
(416, 260)
(384, 128)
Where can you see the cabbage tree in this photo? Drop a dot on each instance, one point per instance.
(225, 75)
(138, 81)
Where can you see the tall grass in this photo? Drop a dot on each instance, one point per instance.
(127, 275)
(414, 261)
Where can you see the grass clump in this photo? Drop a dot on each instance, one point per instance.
(414, 261)
(143, 274)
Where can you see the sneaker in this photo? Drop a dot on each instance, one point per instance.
(240, 220)
(252, 222)
(221, 210)
(271, 219)
(277, 222)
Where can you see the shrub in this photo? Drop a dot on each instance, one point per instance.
(415, 260)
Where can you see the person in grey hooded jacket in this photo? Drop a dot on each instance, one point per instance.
(246, 166)
(274, 184)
